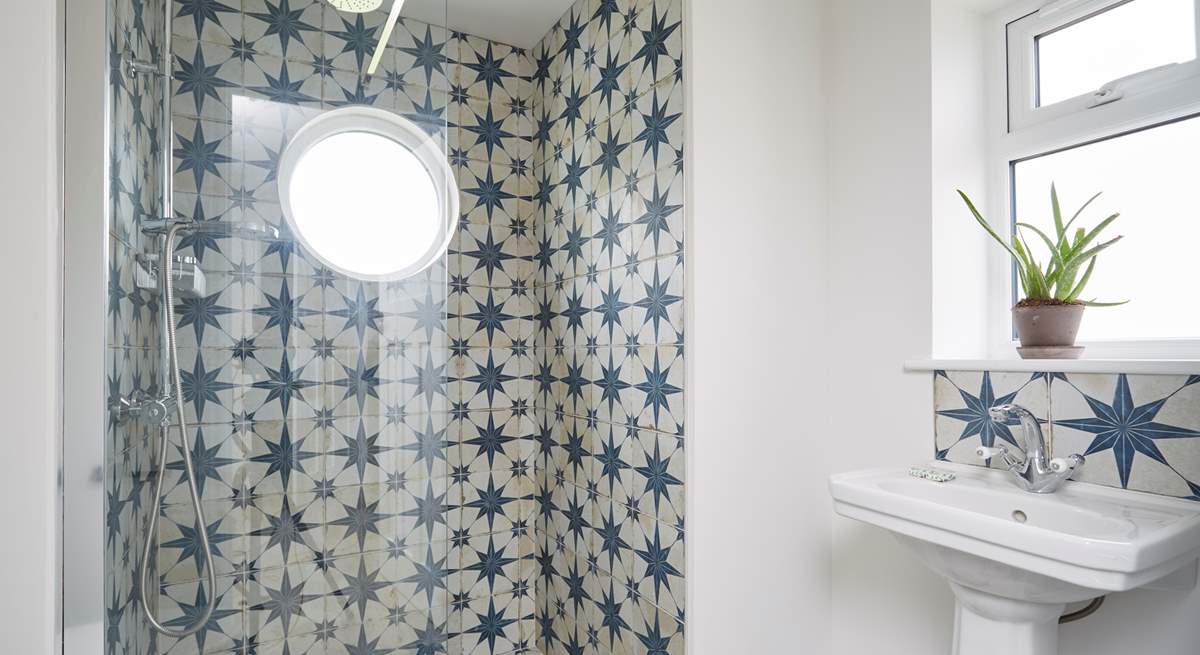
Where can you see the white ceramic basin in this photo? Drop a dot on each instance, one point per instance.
(1016, 559)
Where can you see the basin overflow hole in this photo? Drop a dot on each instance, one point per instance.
(1019, 516)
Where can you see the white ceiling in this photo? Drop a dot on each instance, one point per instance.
(516, 22)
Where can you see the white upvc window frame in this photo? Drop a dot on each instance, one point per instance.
(1019, 130)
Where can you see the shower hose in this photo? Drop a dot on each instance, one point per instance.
(192, 625)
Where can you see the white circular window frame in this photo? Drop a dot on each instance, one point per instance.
(391, 126)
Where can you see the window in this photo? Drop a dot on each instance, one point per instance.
(1083, 56)
(1149, 177)
(1104, 96)
(1074, 55)
(368, 193)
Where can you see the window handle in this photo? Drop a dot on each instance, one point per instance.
(1115, 90)
(1106, 94)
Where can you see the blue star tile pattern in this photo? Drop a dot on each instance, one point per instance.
(1138, 432)
(962, 401)
(482, 459)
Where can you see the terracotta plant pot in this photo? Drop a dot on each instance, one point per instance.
(1048, 331)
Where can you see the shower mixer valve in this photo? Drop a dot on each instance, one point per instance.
(141, 405)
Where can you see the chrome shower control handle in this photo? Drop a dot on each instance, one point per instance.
(140, 406)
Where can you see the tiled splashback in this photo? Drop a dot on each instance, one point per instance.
(1138, 432)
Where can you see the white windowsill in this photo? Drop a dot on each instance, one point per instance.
(1135, 366)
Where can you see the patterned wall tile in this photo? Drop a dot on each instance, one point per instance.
(379, 462)
(1139, 432)
(961, 403)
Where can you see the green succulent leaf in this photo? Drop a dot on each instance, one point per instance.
(1078, 288)
(986, 226)
(1059, 278)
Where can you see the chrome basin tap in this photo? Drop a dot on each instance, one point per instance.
(1036, 472)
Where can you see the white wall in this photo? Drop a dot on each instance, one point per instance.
(960, 248)
(758, 516)
(29, 209)
(880, 268)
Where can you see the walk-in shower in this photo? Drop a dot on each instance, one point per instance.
(393, 361)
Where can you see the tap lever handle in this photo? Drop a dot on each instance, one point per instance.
(983, 452)
(1005, 455)
(1066, 464)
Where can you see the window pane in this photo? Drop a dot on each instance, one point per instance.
(1151, 178)
(1130, 38)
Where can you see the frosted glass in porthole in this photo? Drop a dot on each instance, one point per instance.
(365, 204)
(1150, 178)
(1127, 39)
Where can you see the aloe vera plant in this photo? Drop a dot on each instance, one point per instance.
(1059, 281)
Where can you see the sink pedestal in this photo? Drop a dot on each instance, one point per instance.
(991, 625)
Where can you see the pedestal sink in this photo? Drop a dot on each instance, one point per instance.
(1015, 560)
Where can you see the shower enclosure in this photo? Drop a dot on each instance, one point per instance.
(289, 450)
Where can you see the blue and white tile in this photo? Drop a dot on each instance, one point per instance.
(656, 215)
(611, 78)
(206, 78)
(213, 384)
(1139, 432)
(493, 132)
(657, 42)
(657, 129)
(181, 604)
(282, 384)
(346, 88)
(179, 556)
(351, 39)
(656, 292)
(360, 452)
(495, 254)
(657, 386)
(285, 602)
(283, 81)
(284, 457)
(423, 54)
(428, 108)
(486, 625)
(961, 401)
(488, 193)
(494, 440)
(203, 156)
(213, 22)
(283, 529)
(489, 70)
(490, 564)
(217, 453)
(362, 588)
(657, 479)
(288, 29)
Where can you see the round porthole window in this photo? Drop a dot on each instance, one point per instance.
(368, 193)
